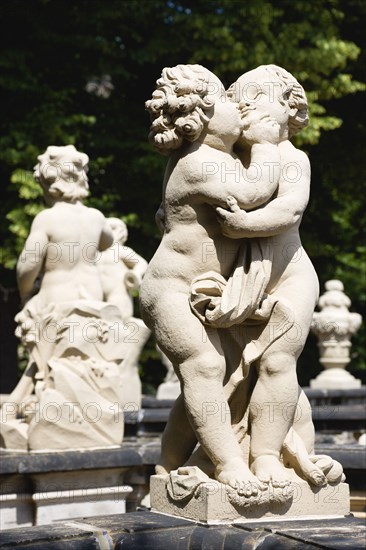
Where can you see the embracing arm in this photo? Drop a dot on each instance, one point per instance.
(216, 175)
(137, 266)
(31, 258)
(261, 179)
(279, 215)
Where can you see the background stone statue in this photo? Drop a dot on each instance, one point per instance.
(224, 296)
(74, 338)
(121, 271)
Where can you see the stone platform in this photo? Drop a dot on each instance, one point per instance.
(211, 504)
(152, 531)
(39, 488)
(24, 475)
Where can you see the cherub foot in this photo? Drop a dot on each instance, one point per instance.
(310, 471)
(237, 476)
(269, 469)
(316, 477)
(167, 462)
(329, 468)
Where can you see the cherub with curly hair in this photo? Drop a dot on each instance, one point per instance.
(231, 286)
(194, 122)
(65, 239)
(61, 250)
(272, 90)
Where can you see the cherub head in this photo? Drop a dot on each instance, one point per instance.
(182, 105)
(272, 90)
(61, 171)
(119, 230)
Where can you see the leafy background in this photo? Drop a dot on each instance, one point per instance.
(52, 49)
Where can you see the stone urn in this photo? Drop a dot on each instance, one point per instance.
(334, 325)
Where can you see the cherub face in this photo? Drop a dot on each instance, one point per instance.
(228, 117)
(269, 98)
(258, 126)
(257, 90)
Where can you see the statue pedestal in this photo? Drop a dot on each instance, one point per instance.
(335, 379)
(211, 504)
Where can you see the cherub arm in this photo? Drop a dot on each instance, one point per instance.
(262, 176)
(137, 266)
(214, 180)
(277, 216)
(32, 256)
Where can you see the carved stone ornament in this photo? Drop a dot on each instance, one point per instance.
(334, 326)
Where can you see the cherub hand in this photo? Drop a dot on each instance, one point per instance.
(132, 281)
(258, 127)
(232, 221)
(232, 203)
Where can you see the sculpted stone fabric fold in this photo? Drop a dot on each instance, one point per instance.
(242, 300)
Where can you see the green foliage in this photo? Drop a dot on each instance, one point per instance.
(52, 49)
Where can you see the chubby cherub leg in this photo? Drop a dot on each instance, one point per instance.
(178, 441)
(298, 449)
(303, 422)
(299, 443)
(276, 394)
(276, 387)
(205, 402)
(201, 366)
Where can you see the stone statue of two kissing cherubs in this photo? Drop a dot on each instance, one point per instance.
(230, 292)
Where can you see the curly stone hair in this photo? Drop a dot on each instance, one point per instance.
(61, 171)
(293, 92)
(116, 224)
(178, 106)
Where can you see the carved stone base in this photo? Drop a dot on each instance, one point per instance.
(211, 503)
(335, 379)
